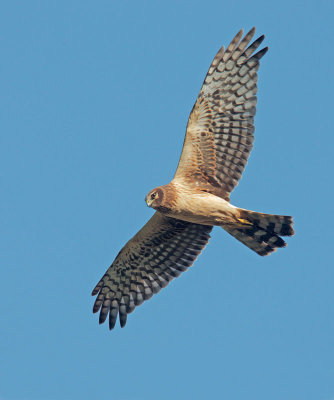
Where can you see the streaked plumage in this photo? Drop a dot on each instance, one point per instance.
(216, 148)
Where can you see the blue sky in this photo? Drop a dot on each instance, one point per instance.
(95, 98)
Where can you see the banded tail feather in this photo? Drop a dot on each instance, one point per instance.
(261, 232)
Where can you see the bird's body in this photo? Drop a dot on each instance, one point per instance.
(197, 206)
(218, 141)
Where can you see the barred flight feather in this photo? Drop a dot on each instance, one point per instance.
(161, 251)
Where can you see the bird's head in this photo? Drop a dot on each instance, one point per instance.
(155, 197)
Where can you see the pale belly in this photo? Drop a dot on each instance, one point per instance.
(205, 208)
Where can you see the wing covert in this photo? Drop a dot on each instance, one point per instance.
(220, 129)
(158, 253)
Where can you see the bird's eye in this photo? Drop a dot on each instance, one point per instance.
(153, 196)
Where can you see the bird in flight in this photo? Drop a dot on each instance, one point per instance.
(217, 144)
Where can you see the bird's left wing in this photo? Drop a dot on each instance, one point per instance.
(158, 253)
(220, 129)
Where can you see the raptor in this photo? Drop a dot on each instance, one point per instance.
(218, 141)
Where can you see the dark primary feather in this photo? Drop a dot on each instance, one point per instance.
(160, 252)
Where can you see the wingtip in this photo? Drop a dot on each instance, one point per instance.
(260, 53)
(260, 39)
(240, 33)
(97, 288)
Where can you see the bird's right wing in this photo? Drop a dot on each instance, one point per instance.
(158, 253)
(220, 129)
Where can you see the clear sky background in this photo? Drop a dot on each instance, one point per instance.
(95, 96)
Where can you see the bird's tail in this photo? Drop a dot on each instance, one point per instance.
(261, 232)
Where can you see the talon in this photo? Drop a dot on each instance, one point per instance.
(244, 221)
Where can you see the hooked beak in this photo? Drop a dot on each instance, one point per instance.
(148, 201)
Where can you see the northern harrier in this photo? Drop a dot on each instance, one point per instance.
(217, 144)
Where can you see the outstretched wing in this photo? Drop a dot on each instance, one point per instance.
(158, 253)
(220, 129)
